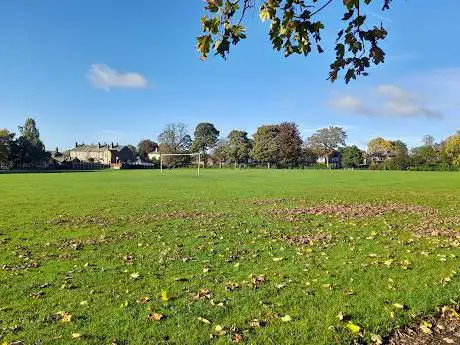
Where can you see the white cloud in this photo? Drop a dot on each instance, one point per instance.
(387, 101)
(348, 102)
(103, 77)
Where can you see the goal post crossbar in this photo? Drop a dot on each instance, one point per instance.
(181, 154)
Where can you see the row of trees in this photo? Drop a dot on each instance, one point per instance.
(281, 145)
(430, 155)
(26, 149)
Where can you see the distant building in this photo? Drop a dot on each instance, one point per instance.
(56, 156)
(155, 155)
(104, 154)
(380, 156)
(334, 159)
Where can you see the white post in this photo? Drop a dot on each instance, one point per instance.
(199, 163)
(161, 163)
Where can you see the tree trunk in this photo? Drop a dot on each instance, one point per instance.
(327, 160)
(268, 165)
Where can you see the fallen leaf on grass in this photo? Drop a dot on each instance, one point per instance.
(76, 335)
(144, 300)
(164, 296)
(203, 294)
(237, 338)
(204, 320)
(156, 317)
(426, 327)
(376, 339)
(135, 276)
(355, 329)
(258, 280)
(343, 317)
(399, 306)
(452, 311)
(65, 316)
(232, 286)
(220, 330)
(286, 318)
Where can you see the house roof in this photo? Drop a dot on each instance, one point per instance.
(382, 154)
(97, 148)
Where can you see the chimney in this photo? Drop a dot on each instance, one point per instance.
(99, 145)
(76, 144)
(112, 144)
(57, 149)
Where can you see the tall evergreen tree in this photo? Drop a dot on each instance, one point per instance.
(206, 136)
(30, 146)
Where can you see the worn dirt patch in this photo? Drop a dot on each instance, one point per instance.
(308, 240)
(439, 330)
(80, 221)
(356, 210)
(431, 224)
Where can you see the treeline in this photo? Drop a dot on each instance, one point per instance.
(24, 150)
(281, 146)
(275, 145)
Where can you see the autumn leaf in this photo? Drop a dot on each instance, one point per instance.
(425, 327)
(144, 300)
(65, 317)
(156, 316)
(135, 276)
(204, 320)
(76, 335)
(355, 329)
(237, 338)
(219, 330)
(376, 339)
(164, 296)
(286, 318)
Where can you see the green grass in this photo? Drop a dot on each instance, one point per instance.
(187, 233)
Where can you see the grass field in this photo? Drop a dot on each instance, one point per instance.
(259, 257)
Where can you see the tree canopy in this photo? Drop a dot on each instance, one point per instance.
(452, 148)
(289, 143)
(6, 143)
(239, 146)
(265, 145)
(146, 146)
(379, 145)
(296, 27)
(30, 148)
(205, 138)
(176, 136)
(352, 157)
(326, 140)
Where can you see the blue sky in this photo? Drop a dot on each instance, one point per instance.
(54, 55)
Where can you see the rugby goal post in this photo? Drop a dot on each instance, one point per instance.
(181, 154)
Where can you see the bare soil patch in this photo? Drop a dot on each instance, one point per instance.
(442, 329)
(308, 240)
(431, 224)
